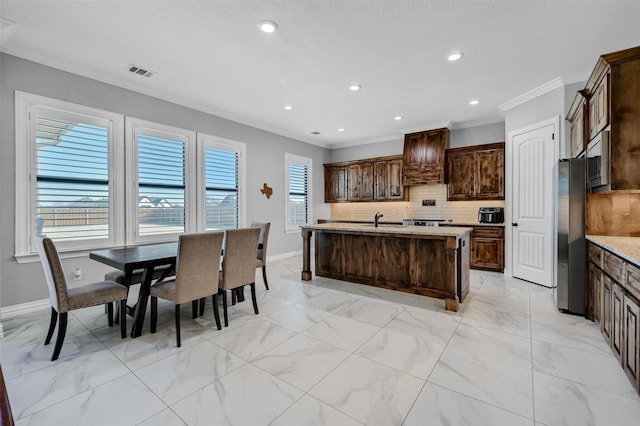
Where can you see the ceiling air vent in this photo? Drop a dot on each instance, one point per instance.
(140, 71)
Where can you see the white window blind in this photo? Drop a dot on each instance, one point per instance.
(72, 196)
(221, 188)
(161, 185)
(298, 188)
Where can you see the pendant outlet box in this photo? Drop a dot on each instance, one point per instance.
(428, 202)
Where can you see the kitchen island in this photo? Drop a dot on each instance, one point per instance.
(430, 261)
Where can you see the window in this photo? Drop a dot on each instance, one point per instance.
(159, 196)
(221, 178)
(64, 178)
(298, 178)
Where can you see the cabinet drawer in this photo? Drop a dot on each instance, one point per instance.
(633, 280)
(595, 254)
(614, 266)
(488, 232)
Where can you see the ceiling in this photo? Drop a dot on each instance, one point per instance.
(210, 55)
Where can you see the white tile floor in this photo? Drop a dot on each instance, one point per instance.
(327, 352)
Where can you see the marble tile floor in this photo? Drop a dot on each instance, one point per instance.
(327, 352)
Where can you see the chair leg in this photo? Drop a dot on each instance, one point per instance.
(154, 313)
(224, 308)
(52, 325)
(216, 312)
(62, 331)
(178, 324)
(202, 303)
(194, 309)
(264, 276)
(253, 298)
(123, 318)
(110, 314)
(234, 295)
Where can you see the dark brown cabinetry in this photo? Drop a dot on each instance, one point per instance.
(613, 90)
(578, 118)
(487, 248)
(374, 179)
(613, 292)
(424, 157)
(475, 172)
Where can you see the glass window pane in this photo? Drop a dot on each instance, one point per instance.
(221, 188)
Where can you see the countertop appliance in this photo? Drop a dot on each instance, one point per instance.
(491, 215)
(598, 160)
(570, 271)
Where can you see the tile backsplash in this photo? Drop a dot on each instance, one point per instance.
(459, 211)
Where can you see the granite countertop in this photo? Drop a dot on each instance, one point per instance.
(445, 231)
(626, 247)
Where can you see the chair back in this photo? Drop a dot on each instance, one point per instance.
(239, 262)
(53, 273)
(198, 265)
(263, 241)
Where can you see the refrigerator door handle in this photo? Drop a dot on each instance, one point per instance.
(514, 224)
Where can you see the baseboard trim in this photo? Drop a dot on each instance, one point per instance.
(284, 256)
(12, 311)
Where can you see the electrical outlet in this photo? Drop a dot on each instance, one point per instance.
(77, 274)
(428, 202)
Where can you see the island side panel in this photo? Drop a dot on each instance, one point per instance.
(462, 265)
(306, 255)
(329, 255)
(360, 258)
(393, 251)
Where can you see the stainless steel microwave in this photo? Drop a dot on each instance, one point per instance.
(598, 160)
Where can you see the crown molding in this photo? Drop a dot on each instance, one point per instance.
(532, 94)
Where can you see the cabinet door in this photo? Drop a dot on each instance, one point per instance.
(489, 174)
(599, 107)
(335, 188)
(460, 176)
(605, 323)
(395, 190)
(380, 181)
(424, 156)
(617, 320)
(631, 355)
(487, 249)
(366, 181)
(577, 132)
(354, 182)
(594, 300)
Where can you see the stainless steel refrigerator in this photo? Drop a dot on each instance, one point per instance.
(570, 279)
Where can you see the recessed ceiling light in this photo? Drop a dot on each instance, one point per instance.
(288, 107)
(267, 26)
(397, 117)
(454, 56)
(355, 87)
(315, 132)
(474, 102)
(341, 129)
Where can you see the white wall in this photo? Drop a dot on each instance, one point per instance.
(23, 283)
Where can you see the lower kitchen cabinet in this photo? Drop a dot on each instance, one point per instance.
(613, 287)
(487, 248)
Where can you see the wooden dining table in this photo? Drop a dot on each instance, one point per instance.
(145, 257)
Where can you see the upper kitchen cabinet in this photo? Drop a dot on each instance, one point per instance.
(579, 119)
(475, 172)
(424, 157)
(613, 90)
(373, 179)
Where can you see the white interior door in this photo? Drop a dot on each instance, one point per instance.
(534, 154)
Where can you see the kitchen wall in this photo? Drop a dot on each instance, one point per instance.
(23, 283)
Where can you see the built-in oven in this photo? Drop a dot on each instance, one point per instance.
(598, 160)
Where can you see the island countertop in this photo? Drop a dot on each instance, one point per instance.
(367, 228)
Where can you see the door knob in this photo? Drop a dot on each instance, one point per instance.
(514, 224)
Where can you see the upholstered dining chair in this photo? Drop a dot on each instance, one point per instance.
(239, 264)
(263, 242)
(196, 276)
(64, 299)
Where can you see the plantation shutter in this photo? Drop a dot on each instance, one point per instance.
(298, 194)
(221, 188)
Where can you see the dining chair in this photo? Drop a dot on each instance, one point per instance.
(239, 264)
(196, 276)
(263, 241)
(64, 299)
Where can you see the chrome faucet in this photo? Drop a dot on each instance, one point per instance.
(376, 219)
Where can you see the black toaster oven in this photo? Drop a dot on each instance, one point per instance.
(491, 215)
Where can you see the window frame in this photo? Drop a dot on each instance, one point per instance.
(135, 126)
(27, 105)
(308, 162)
